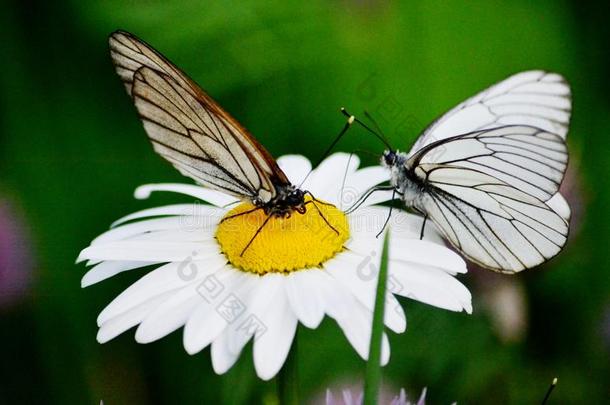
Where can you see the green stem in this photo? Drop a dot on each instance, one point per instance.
(373, 366)
(288, 380)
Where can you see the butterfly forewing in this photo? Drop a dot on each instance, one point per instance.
(535, 98)
(189, 129)
(130, 53)
(524, 157)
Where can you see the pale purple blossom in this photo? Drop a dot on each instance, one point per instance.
(15, 256)
(348, 397)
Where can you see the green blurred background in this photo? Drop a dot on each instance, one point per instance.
(72, 151)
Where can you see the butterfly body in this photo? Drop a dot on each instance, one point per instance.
(405, 182)
(288, 199)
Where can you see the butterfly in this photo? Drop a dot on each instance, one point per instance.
(200, 139)
(485, 172)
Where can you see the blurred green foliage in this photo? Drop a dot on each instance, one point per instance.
(72, 151)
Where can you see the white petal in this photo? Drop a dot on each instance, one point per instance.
(166, 278)
(357, 328)
(172, 210)
(254, 297)
(188, 224)
(168, 316)
(92, 262)
(430, 285)
(150, 251)
(305, 297)
(180, 235)
(367, 222)
(408, 226)
(359, 182)
(106, 270)
(272, 344)
(204, 325)
(378, 197)
(560, 206)
(394, 314)
(222, 358)
(326, 181)
(128, 319)
(368, 177)
(257, 298)
(421, 252)
(206, 321)
(360, 276)
(296, 167)
(385, 349)
(364, 228)
(351, 316)
(213, 197)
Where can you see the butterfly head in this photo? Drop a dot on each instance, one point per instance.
(288, 199)
(389, 158)
(295, 197)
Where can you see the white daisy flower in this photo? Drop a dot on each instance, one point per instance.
(298, 269)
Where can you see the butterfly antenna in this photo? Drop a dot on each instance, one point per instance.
(375, 124)
(548, 392)
(367, 152)
(345, 172)
(349, 161)
(362, 124)
(348, 124)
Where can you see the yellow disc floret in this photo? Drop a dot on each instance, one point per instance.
(283, 244)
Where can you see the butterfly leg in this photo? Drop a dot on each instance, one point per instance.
(256, 234)
(366, 195)
(389, 214)
(423, 226)
(240, 214)
(306, 192)
(322, 215)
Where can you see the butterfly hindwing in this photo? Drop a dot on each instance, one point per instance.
(491, 222)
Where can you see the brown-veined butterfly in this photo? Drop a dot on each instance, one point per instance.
(191, 131)
(488, 171)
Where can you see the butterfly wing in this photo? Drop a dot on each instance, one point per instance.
(129, 53)
(486, 192)
(536, 98)
(189, 129)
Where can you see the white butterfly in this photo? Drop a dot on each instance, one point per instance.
(485, 172)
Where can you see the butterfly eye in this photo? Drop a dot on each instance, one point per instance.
(296, 197)
(389, 158)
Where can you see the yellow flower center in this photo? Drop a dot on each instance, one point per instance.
(282, 245)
